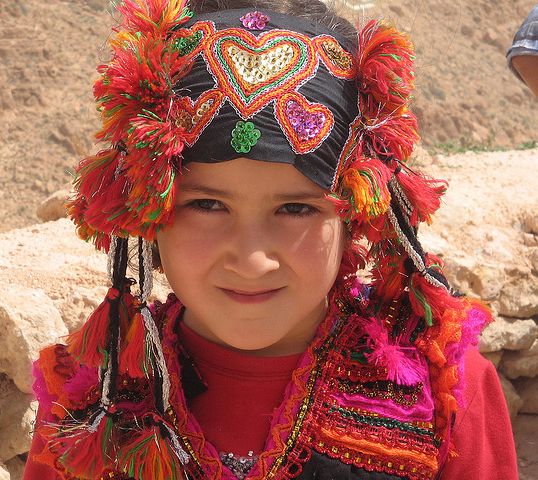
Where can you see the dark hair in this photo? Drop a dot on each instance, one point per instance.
(313, 10)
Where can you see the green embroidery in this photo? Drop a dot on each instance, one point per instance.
(380, 421)
(244, 136)
(187, 44)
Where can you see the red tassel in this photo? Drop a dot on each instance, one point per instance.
(390, 277)
(429, 301)
(88, 343)
(391, 134)
(97, 172)
(423, 193)
(385, 65)
(132, 357)
(150, 457)
(85, 454)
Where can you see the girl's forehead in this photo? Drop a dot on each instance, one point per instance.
(247, 175)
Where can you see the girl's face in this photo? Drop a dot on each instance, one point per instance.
(252, 253)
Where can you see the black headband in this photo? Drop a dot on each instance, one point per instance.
(298, 113)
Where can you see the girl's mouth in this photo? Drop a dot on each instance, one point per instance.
(259, 296)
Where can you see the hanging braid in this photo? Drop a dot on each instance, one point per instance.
(119, 282)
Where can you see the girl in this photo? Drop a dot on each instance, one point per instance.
(251, 149)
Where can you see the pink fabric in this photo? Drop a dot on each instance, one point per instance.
(421, 412)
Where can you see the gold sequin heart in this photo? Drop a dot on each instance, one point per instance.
(254, 71)
(256, 68)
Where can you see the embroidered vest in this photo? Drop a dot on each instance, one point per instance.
(363, 403)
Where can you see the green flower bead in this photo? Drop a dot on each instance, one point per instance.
(244, 136)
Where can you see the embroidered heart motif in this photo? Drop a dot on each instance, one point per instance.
(254, 71)
(336, 59)
(306, 125)
(188, 41)
(194, 117)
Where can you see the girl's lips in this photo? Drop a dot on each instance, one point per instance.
(251, 297)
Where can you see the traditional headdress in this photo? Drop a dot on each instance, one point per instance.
(267, 86)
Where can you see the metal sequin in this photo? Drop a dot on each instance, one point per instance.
(307, 125)
(256, 68)
(254, 20)
(337, 54)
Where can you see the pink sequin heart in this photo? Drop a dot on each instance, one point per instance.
(305, 124)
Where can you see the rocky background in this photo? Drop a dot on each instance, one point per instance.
(467, 101)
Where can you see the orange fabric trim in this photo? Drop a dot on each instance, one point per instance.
(366, 447)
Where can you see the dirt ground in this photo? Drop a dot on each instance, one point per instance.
(525, 432)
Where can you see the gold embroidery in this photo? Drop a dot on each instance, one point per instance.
(337, 54)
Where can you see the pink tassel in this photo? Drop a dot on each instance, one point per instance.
(390, 354)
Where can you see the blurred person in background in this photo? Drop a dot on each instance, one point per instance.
(523, 54)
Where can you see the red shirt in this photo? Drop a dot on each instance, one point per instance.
(482, 433)
(243, 391)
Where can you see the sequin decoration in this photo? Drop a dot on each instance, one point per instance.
(254, 20)
(254, 71)
(244, 136)
(336, 59)
(193, 117)
(337, 55)
(239, 466)
(257, 68)
(188, 121)
(305, 124)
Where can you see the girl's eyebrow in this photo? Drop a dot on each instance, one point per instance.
(210, 191)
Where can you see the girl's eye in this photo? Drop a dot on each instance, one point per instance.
(206, 205)
(297, 209)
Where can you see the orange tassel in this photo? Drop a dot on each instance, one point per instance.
(364, 183)
(152, 16)
(88, 343)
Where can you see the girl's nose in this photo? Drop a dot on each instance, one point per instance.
(250, 254)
